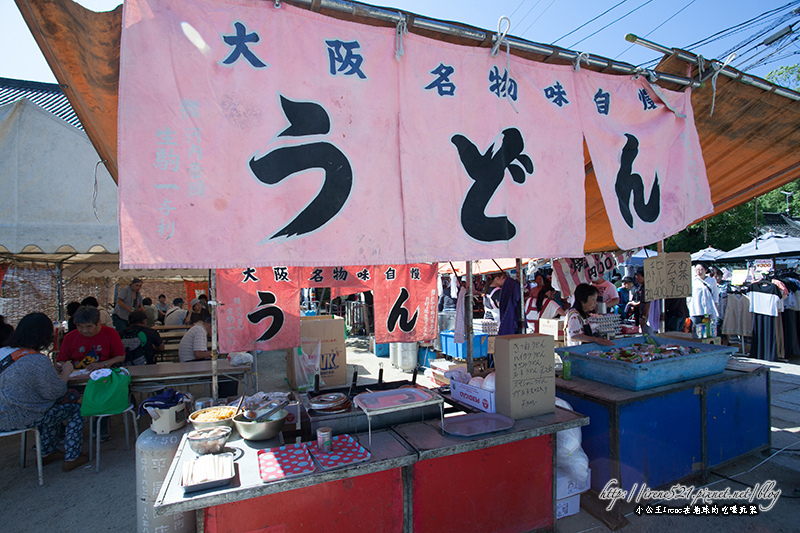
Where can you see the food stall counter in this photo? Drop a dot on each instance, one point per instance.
(289, 500)
(503, 479)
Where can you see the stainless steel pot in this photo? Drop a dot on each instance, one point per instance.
(251, 430)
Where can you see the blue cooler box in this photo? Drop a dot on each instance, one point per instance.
(480, 345)
(708, 361)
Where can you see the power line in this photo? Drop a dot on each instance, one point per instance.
(740, 27)
(611, 23)
(529, 12)
(540, 16)
(517, 8)
(588, 22)
(737, 28)
(654, 29)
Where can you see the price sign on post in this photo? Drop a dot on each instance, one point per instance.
(667, 276)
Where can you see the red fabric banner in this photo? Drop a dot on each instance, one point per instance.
(259, 309)
(342, 279)
(194, 289)
(405, 303)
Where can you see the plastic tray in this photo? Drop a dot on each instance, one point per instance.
(215, 483)
(346, 451)
(284, 461)
(476, 424)
(709, 361)
(395, 400)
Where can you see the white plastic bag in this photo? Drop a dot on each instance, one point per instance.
(571, 460)
(306, 366)
(240, 358)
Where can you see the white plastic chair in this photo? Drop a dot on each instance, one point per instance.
(23, 448)
(130, 410)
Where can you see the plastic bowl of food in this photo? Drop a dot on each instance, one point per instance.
(210, 417)
(250, 430)
(208, 440)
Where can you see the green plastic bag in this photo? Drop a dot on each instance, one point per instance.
(107, 395)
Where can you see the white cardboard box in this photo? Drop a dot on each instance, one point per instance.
(566, 487)
(473, 396)
(568, 506)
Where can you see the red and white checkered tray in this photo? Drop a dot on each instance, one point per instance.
(284, 461)
(346, 451)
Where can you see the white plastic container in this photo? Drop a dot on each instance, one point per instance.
(407, 355)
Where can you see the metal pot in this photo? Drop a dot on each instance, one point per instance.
(250, 430)
(601, 308)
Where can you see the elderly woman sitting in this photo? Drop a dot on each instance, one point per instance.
(32, 392)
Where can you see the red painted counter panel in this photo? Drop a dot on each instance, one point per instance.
(370, 503)
(503, 488)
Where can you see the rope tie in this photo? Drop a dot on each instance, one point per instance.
(663, 98)
(95, 190)
(583, 56)
(500, 39)
(402, 29)
(717, 69)
(500, 36)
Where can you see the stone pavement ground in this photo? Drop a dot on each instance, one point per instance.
(83, 501)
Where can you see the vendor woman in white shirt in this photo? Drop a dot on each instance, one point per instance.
(577, 329)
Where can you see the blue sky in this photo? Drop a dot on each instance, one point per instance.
(541, 21)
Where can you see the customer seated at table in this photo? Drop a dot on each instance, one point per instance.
(91, 345)
(34, 393)
(162, 307)
(194, 347)
(198, 313)
(194, 343)
(140, 342)
(150, 311)
(105, 317)
(71, 308)
(176, 316)
(6, 331)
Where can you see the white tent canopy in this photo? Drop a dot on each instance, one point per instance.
(764, 246)
(52, 209)
(707, 254)
(47, 173)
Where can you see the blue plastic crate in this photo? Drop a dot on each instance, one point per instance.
(425, 356)
(480, 345)
(382, 350)
(709, 361)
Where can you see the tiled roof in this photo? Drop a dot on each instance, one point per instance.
(48, 96)
(781, 223)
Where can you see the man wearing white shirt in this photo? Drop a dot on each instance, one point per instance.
(177, 315)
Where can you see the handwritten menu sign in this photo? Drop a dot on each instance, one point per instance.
(525, 375)
(667, 276)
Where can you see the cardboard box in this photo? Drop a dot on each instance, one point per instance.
(473, 396)
(525, 375)
(566, 487)
(553, 327)
(329, 330)
(568, 506)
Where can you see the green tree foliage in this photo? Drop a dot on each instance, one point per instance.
(775, 201)
(788, 76)
(725, 231)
